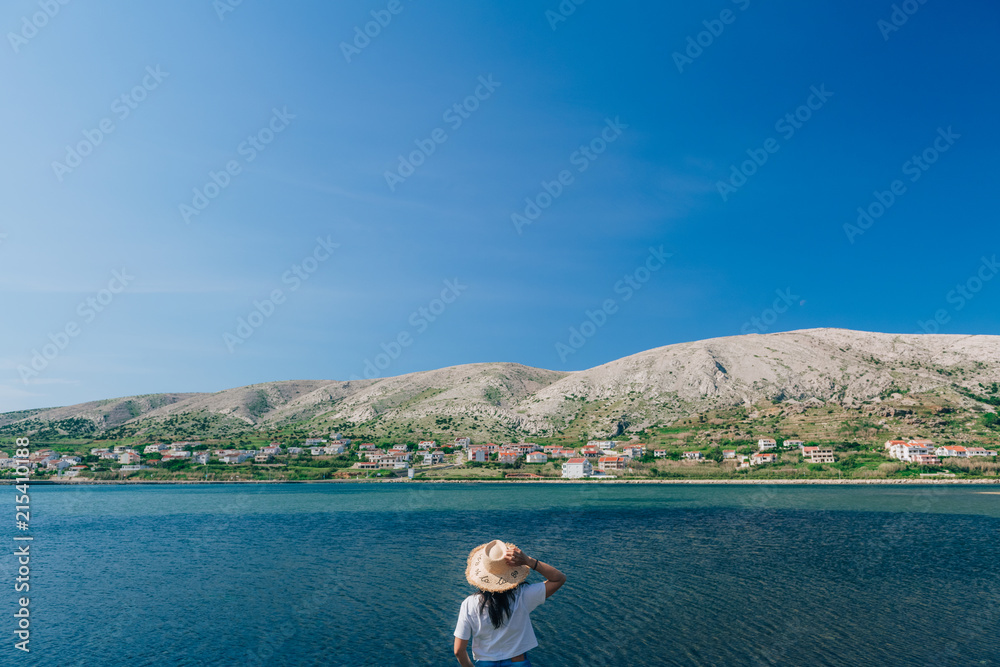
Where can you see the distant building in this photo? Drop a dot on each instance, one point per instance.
(909, 451)
(201, 458)
(728, 453)
(606, 463)
(433, 458)
(427, 444)
(634, 451)
(477, 454)
(792, 443)
(762, 457)
(577, 468)
(366, 465)
(128, 458)
(979, 451)
(536, 457)
(694, 456)
(177, 446)
(463, 442)
(818, 454)
(601, 444)
(263, 457)
(659, 453)
(765, 444)
(507, 456)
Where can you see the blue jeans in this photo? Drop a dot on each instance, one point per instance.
(504, 663)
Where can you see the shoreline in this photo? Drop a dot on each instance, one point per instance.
(739, 482)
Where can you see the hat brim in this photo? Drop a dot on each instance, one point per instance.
(476, 574)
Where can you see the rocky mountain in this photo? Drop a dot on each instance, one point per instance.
(737, 377)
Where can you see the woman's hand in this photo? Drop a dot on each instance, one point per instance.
(516, 557)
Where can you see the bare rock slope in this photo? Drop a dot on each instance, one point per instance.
(850, 368)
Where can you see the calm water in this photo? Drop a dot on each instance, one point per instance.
(356, 574)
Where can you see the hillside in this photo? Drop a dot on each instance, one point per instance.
(818, 381)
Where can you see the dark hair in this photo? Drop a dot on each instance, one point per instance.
(498, 604)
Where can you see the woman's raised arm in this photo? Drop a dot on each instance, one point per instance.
(554, 579)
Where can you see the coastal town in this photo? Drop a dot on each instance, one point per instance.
(341, 458)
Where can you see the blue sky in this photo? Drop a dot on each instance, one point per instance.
(642, 137)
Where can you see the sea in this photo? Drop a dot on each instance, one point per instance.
(373, 573)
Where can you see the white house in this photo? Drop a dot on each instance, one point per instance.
(761, 457)
(909, 451)
(507, 456)
(694, 456)
(317, 451)
(633, 451)
(333, 449)
(183, 445)
(463, 442)
(127, 458)
(201, 458)
(149, 449)
(427, 444)
(577, 468)
(818, 454)
(952, 450)
(792, 443)
(728, 453)
(536, 457)
(979, 451)
(601, 444)
(765, 444)
(477, 454)
(433, 458)
(659, 453)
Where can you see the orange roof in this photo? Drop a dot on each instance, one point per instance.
(581, 460)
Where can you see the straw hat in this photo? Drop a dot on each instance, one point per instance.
(487, 570)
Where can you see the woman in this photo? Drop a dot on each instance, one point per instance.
(496, 618)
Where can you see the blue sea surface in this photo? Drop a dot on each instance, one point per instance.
(372, 574)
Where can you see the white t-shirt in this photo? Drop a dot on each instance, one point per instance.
(513, 638)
